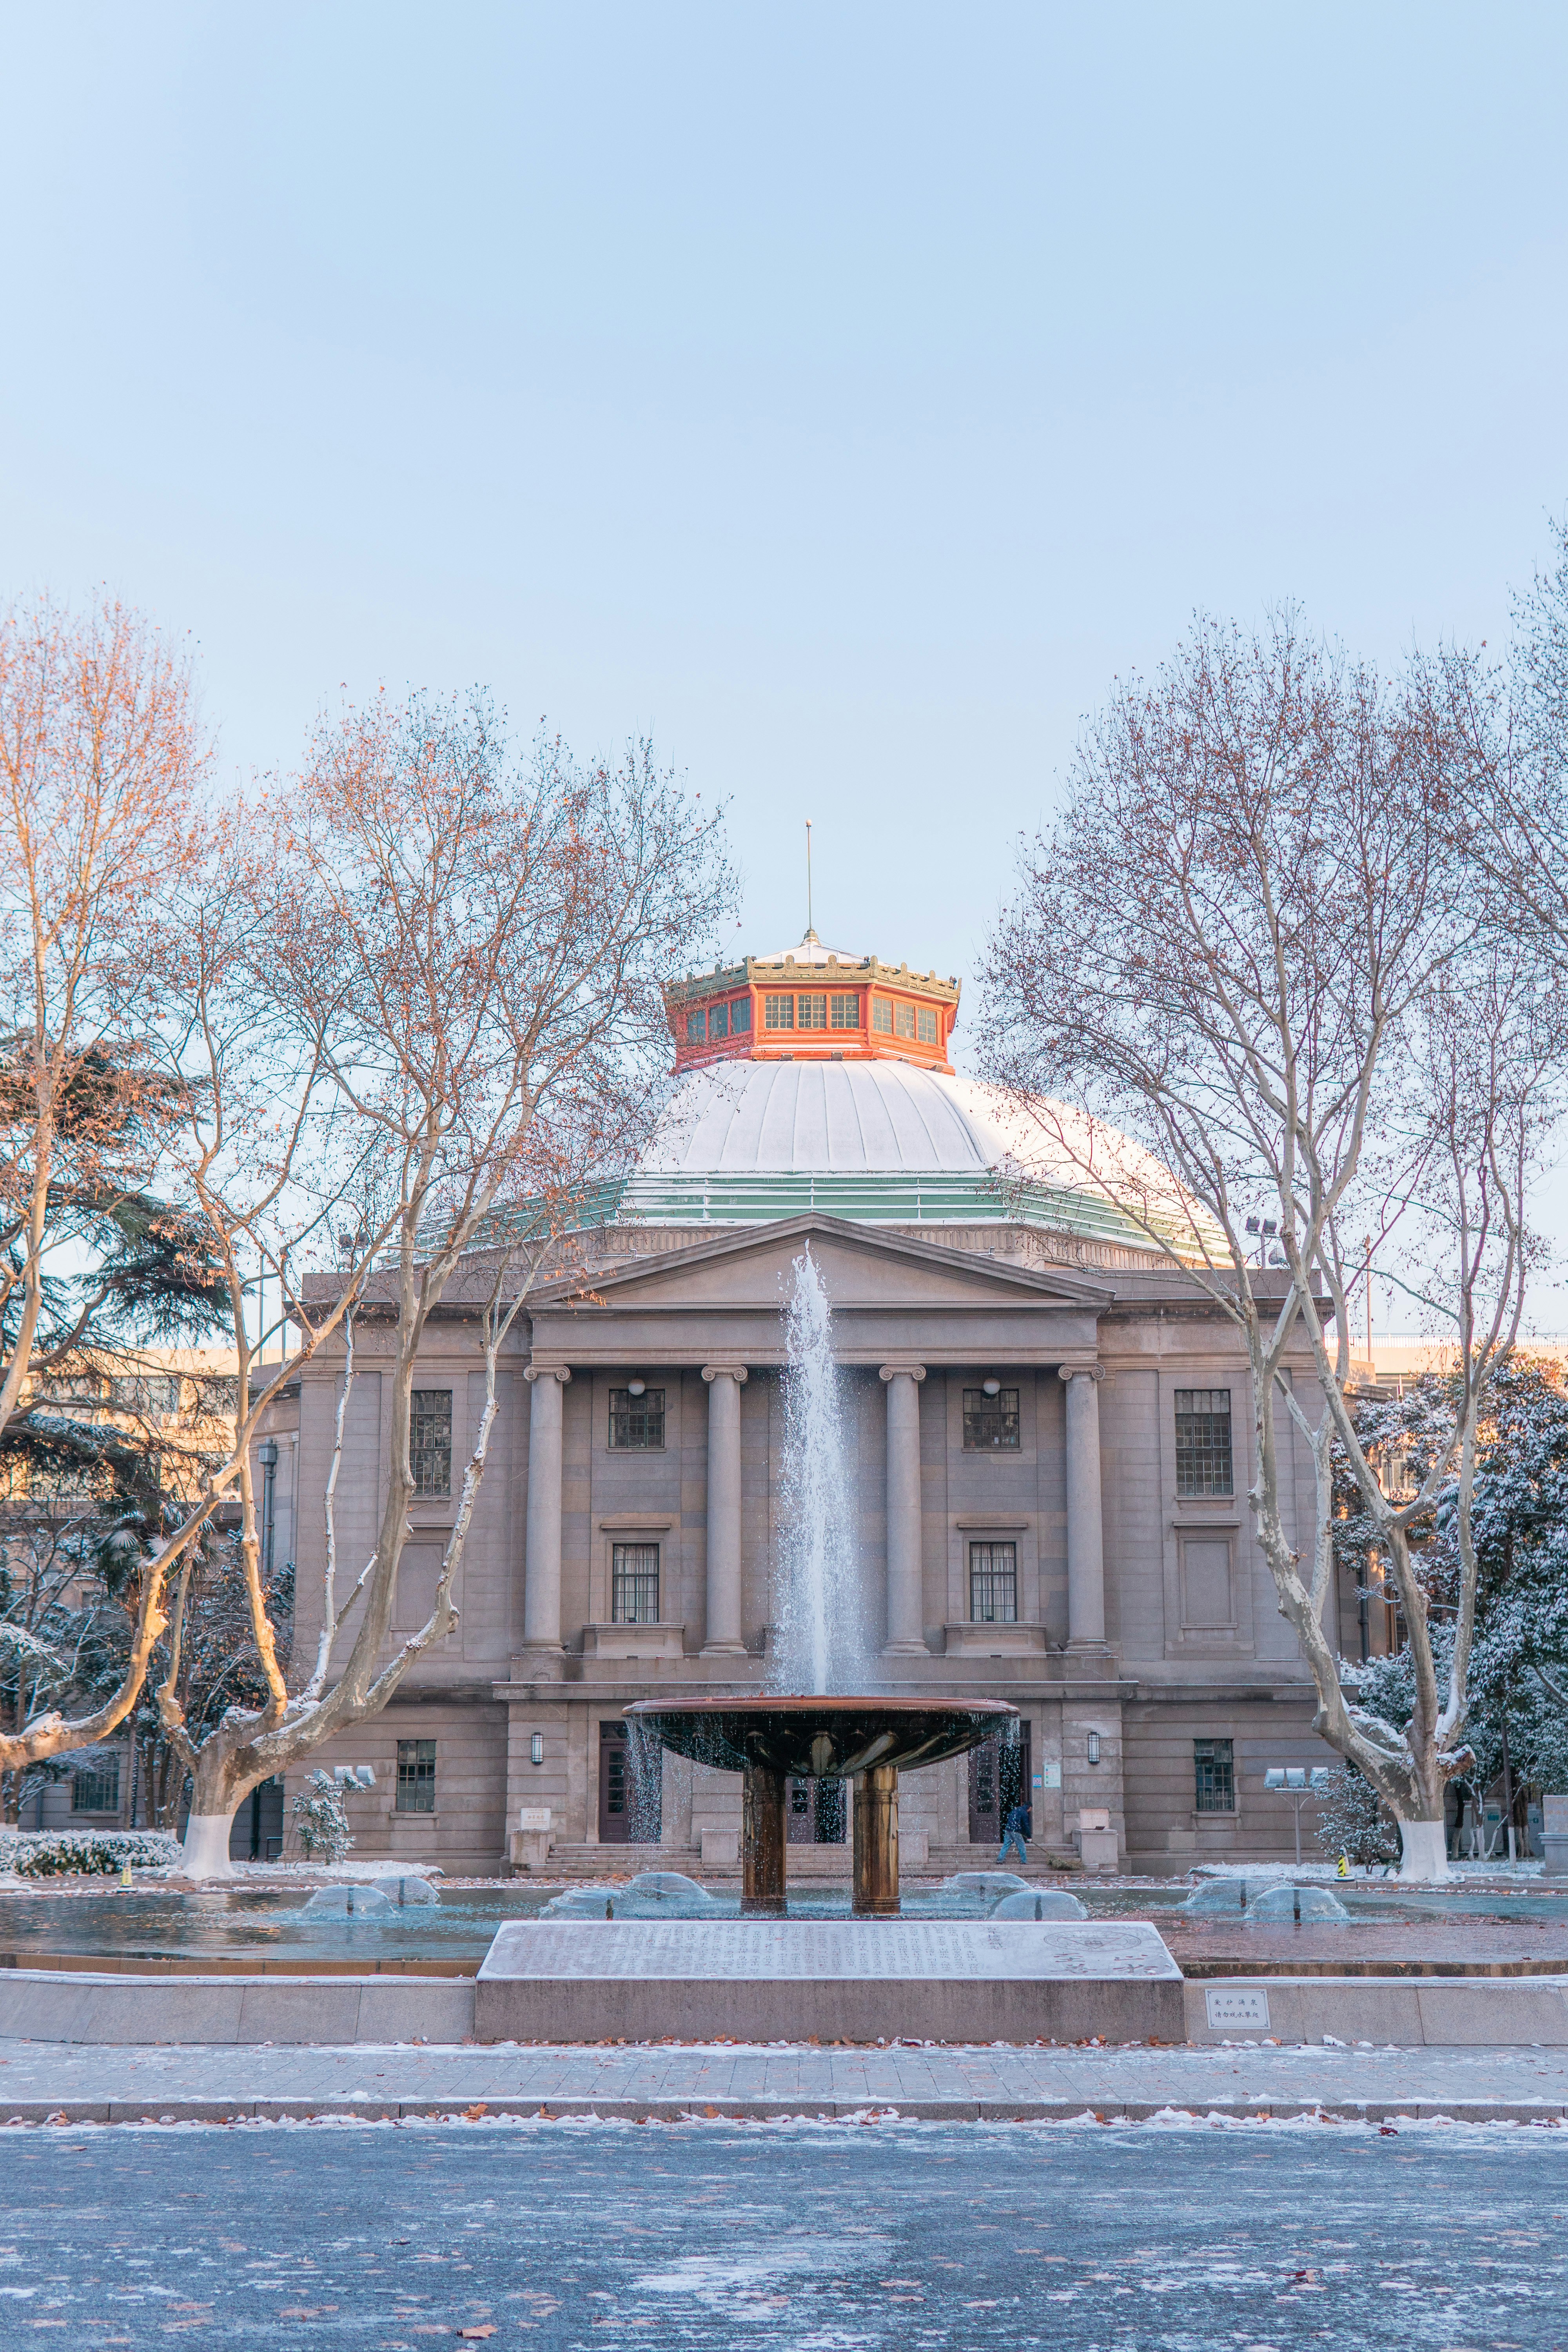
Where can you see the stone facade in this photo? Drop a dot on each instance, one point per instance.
(1145, 1625)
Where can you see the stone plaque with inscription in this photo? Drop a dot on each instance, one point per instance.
(851, 1980)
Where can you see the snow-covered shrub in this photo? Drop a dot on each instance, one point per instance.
(321, 1821)
(1353, 1820)
(98, 1853)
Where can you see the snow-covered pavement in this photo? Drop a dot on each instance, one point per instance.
(92, 2083)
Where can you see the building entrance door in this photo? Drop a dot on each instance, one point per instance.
(999, 1779)
(817, 1814)
(630, 1789)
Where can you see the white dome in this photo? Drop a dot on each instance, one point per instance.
(887, 1118)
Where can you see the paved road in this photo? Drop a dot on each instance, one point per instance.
(835, 2238)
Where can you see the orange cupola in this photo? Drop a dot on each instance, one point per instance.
(811, 1003)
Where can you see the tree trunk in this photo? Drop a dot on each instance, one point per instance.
(1424, 1851)
(206, 1854)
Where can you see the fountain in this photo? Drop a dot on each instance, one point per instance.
(771, 1740)
(801, 1729)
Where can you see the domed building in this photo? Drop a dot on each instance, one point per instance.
(1047, 1428)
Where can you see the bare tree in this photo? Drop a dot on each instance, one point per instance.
(102, 754)
(1251, 942)
(1511, 720)
(460, 957)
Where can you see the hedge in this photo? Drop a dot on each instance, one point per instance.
(55, 1854)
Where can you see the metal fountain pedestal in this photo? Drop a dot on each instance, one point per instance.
(867, 1740)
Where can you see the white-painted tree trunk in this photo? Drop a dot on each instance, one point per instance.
(206, 1852)
(1424, 1851)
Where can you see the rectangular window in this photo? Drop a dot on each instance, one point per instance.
(95, 1787)
(925, 1021)
(740, 1016)
(846, 1012)
(415, 1776)
(778, 1012)
(811, 1012)
(718, 1021)
(633, 1584)
(882, 1016)
(903, 1019)
(696, 1028)
(430, 1440)
(991, 1423)
(1213, 1770)
(154, 1395)
(636, 1422)
(994, 1583)
(1203, 1442)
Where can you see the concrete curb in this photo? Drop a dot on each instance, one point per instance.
(107, 2009)
(1282, 2109)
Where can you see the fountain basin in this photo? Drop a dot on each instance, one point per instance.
(811, 1738)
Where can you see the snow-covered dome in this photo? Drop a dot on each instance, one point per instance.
(887, 1142)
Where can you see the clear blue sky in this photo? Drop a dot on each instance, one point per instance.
(844, 395)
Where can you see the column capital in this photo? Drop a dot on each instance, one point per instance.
(736, 1372)
(1080, 1371)
(561, 1372)
(896, 1371)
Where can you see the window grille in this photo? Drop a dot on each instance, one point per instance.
(846, 1012)
(1203, 1442)
(811, 1012)
(719, 1021)
(430, 1440)
(903, 1019)
(696, 1028)
(926, 1022)
(778, 1012)
(991, 1423)
(994, 1583)
(636, 1422)
(633, 1584)
(882, 1016)
(95, 1787)
(740, 1016)
(1213, 1770)
(415, 1776)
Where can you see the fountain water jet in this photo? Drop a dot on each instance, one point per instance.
(820, 1643)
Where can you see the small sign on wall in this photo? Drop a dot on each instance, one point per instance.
(1236, 2005)
(533, 1817)
(1050, 1775)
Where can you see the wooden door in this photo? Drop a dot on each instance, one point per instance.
(631, 1787)
(999, 1778)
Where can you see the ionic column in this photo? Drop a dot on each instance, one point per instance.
(541, 1556)
(906, 1636)
(1086, 1541)
(722, 1622)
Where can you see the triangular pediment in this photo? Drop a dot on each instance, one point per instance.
(862, 1267)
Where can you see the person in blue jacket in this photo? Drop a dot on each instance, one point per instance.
(1020, 1826)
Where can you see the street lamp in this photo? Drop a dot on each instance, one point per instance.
(1301, 1786)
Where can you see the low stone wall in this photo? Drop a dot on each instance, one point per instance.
(1412, 2012)
(47, 2005)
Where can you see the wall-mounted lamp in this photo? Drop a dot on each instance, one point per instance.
(1094, 1747)
(536, 1748)
(636, 1388)
(991, 1388)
